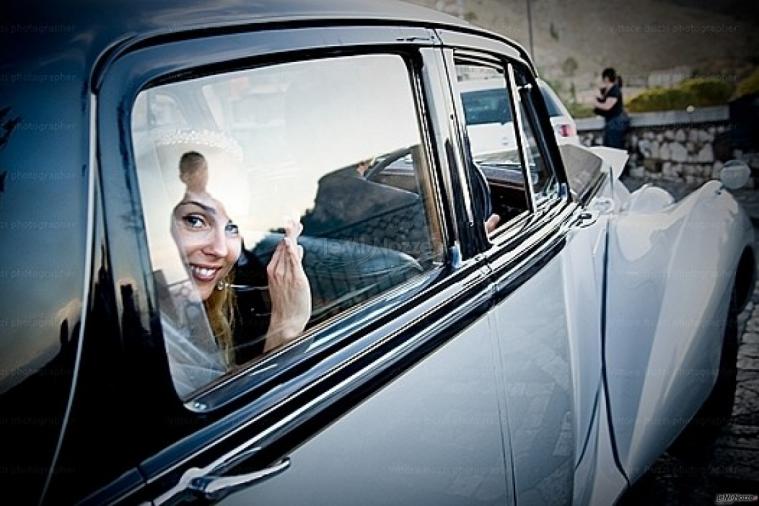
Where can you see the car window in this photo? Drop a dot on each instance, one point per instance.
(551, 104)
(491, 137)
(309, 197)
(545, 185)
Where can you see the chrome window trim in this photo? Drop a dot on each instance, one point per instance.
(515, 99)
(510, 229)
(526, 221)
(539, 236)
(473, 280)
(432, 89)
(455, 128)
(484, 43)
(435, 165)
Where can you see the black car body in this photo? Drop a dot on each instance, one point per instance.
(88, 407)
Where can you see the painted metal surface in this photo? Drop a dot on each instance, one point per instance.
(670, 276)
(538, 390)
(432, 436)
(514, 402)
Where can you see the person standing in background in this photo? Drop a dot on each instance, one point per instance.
(609, 105)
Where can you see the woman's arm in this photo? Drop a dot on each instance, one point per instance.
(607, 104)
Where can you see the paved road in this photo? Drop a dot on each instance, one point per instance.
(732, 464)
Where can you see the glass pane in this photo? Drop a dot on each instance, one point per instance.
(492, 139)
(544, 183)
(291, 193)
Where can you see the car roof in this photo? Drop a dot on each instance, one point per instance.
(85, 29)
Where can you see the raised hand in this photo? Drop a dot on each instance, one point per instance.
(289, 290)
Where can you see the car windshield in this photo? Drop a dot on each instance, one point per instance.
(551, 105)
(486, 106)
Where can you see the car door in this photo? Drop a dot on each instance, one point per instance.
(43, 278)
(668, 301)
(390, 396)
(547, 257)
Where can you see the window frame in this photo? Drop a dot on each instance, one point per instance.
(540, 122)
(477, 50)
(340, 330)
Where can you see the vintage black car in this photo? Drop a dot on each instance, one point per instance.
(479, 329)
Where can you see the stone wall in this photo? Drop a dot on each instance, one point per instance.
(674, 146)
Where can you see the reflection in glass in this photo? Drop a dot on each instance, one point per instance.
(332, 146)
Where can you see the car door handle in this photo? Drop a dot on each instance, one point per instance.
(585, 219)
(211, 484)
(213, 488)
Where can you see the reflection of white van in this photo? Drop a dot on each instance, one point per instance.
(488, 116)
(489, 123)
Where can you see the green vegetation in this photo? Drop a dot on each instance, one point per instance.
(569, 97)
(748, 86)
(471, 17)
(698, 92)
(578, 110)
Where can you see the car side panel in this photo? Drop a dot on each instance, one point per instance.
(432, 436)
(670, 277)
(45, 195)
(532, 330)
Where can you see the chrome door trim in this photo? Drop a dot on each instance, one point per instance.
(522, 250)
(341, 386)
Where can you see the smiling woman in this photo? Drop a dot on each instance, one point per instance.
(199, 310)
(210, 244)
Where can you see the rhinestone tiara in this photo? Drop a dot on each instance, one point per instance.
(207, 138)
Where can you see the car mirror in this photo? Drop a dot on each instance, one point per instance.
(735, 174)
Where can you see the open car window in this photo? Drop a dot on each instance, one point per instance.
(486, 100)
(491, 138)
(310, 171)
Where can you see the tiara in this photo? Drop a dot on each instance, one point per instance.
(207, 138)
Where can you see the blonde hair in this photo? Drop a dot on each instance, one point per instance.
(220, 308)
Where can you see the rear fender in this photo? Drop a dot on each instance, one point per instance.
(670, 275)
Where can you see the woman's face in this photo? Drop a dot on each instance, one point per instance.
(208, 239)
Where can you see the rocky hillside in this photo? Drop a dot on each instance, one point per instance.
(650, 42)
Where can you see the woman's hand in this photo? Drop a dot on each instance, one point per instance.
(492, 223)
(289, 290)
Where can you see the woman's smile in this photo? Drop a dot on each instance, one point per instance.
(204, 274)
(209, 240)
